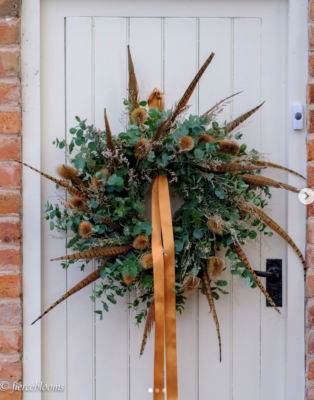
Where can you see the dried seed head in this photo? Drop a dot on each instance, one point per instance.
(190, 285)
(147, 261)
(142, 148)
(61, 171)
(139, 116)
(186, 143)
(128, 279)
(70, 174)
(97, 182)
(215, 266)
(141, 242)
(75, 202)
(205, 138)
(215, 224)
(85, 229)
(228, 147)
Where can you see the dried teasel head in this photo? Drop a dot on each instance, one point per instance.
(128, 279)
(215, 266)
(186, 143)
(69, 174)
(75, 202)
(85, 229)
(139, 116)
(142, 148)
(215, 224)
(205, 138)
(228, 147)
(147, 261)
(190, 285)
(141, 242)
(97, 182)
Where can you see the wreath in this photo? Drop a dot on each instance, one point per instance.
(108, 177)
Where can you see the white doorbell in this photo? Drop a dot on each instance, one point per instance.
(297, 115)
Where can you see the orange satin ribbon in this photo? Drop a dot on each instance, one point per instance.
(165, 298)
(155, 99)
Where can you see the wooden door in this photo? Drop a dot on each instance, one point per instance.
(84, 69)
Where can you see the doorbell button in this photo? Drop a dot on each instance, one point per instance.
(297, 116)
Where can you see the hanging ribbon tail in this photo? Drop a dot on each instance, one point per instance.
(165, 298)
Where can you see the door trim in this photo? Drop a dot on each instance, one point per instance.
(296, 93)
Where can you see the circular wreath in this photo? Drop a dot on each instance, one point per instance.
(218, 180)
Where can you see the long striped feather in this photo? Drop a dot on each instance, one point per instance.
(133, 86)
(209, 294)
(148, 326)
(110, 144)
(111, 223)
(242, 257)
(228, 167)
(238, 121)
(83, 283)
(98, 252)
(275, 227)
(262, 181)
(164, 127)
(64, 184)
(272, 165)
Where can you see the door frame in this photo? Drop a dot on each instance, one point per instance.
(32, 201)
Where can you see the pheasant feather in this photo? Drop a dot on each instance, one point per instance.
(262, 181)
(83, 283)
(238, 121)
(133, 86)
(98, 252)
(164, 127)
(148, 326)
(65, 184)
(209, 294)
(229, 167)
(110, 223)
(110, 144)
(275, 227)
(242, 257)
(272, 165)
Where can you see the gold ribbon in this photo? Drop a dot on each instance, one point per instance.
(165, 298)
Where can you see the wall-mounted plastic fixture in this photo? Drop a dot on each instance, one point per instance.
(297, 116)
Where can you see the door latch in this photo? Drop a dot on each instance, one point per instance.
(273, 275)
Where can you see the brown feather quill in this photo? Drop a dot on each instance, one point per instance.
(242, 257)
(133, 86)
(98, 252)
(209, 294)
(110, 144)
(272, 165)
(148, 326)
(238, 121)
(228, 167)
(83, 283)
(262, 181)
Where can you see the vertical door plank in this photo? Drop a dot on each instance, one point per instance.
(54, 350)
(112, 337)
(273, 139)
(145, 39)
(246, 301)
(180, 68)
(215, 85)
(80, 331)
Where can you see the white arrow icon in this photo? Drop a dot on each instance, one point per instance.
(306, 196)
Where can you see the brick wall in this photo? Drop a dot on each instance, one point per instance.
(10, 197)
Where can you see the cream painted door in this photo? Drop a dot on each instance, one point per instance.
(83, 70)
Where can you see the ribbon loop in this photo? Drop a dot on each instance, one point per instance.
(165, 298)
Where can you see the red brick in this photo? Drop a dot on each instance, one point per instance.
(9, 32)
(10, 93)
(310, 313)
(309, 391)
(11, 395)
(310, 93)
(310, 342)
(10, 8)
(10, 203)
(10, 122)
(310, 286)
(10, 286)
(311, 37)
(10, 148)
(10, 232)
(311, 65)
(10, 372)
(310, 230)
(310, 175)
(9, 258)
(311, 121)
(10, 175)
(310, 149)
(9, 62)
(10, 340)
(311, 10)
(310, 256)
(310, 369)
(10, 312)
